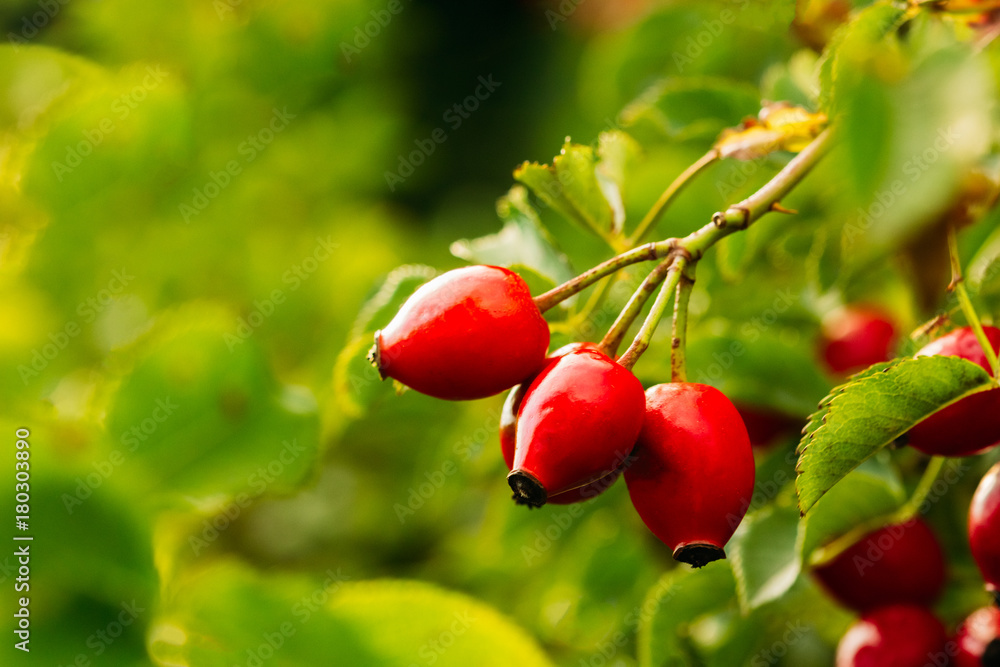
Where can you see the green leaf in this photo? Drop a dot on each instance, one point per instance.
(522, 242)
(228, 612)
(679, 109)
(677, 600)
(906, 168)
(873, 409)
(854, 42)
(380, 308)
(201, 414)
(617, 152)
(870, 490)
(356, 383)
(764, 555)
(570, 186)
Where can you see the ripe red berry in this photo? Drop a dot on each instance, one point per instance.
(577, 422)
(972, 424)
(508, 436)
(978, 639)
(692, 473)
(469, 333)
(901, 563)
(857, 337)
(984, 527)
(894, 636)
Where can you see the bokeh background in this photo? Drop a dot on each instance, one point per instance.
(203, 205)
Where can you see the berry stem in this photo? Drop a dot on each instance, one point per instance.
(578, 319)
(740, 216)
(678, 356)
(957, 286)
(616, 334)
(648, 328)
(668, 196)
(693, 246)
(905, 513)
(562, 292)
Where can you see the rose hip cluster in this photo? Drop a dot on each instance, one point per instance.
(575, 420)
(892, 575)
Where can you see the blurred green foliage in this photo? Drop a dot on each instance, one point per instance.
(198, 236)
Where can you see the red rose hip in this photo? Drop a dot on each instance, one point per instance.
(576, 424)
(894, 636)
(984, 527)
(508, 436)
(901, 563)
(968, 426)
(692, 473)
(978, 639)
(469, 333)
(857, 337)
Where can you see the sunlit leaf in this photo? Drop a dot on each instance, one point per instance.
(872, 410)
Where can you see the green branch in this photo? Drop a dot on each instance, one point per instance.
(740, 216)
(616, 334)
(670, 194)
(641, 254)
(678, 345)
(648, 328)
(957, 286)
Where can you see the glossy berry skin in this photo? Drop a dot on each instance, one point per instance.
(856, 337)
(984, 527)
(692, 473)
(508, 436)
(894, 636)
(577, 423)
(469, 333)
(978, 639)
(971, 425)
(901, 563)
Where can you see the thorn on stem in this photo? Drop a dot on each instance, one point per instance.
(778, 208)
